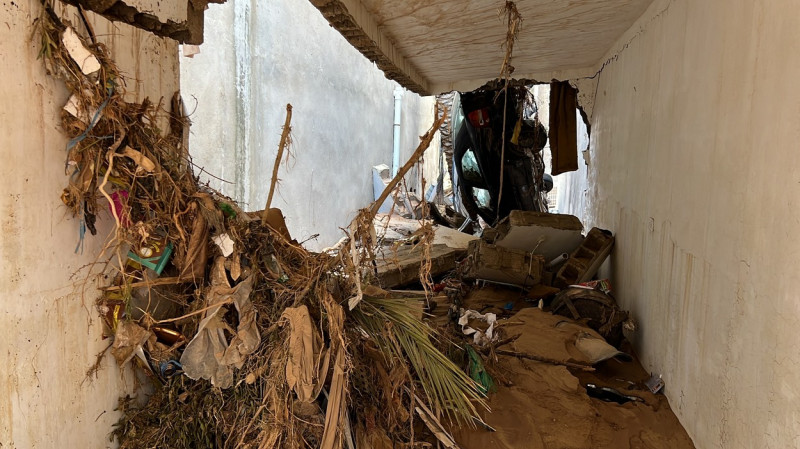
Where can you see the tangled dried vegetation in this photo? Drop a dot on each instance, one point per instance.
(263, 345)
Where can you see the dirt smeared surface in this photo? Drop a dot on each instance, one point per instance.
(543, 405)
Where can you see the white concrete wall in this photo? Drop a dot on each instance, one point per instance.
(257, 57)
(695, 166)
(49, 330)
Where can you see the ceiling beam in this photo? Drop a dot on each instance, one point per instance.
(356, 24)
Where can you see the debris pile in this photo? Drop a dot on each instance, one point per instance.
(248, 340)
(554, 361)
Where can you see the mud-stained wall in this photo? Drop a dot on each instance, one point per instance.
(257, 57)
(695, 166)
(49, 333)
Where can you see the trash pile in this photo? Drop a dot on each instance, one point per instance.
(541, 257)
(542, 337)
(248, 339)
(244, 339)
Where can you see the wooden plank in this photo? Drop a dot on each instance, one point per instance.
(402, 267)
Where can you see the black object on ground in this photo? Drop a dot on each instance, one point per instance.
(610, 394)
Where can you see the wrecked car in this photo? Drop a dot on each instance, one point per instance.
(497, 152)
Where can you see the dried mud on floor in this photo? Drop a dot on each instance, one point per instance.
(543, 406)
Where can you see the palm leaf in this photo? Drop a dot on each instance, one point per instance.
(398, 332)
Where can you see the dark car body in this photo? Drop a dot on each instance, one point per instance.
(483, 119)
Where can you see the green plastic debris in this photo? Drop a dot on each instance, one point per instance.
(478, 373)
(155, 258)
(227, 210)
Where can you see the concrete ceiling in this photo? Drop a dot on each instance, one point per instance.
(431, 46)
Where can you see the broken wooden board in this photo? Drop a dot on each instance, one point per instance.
(540, 232)
(503, 265)
(402, 267)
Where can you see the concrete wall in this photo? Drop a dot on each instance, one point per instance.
(416, 118)
(694, 166)
(257, 57)
(49, 330)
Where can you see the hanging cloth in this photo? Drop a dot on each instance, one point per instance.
(563, 127)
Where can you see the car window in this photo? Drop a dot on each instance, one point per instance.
(482, 197)
(469, 165)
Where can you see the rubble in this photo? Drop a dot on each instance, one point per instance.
(256, 342)
(596, 309)
(394, 228)
(549, 235)
(502, 265)
(400, 266)
(245, 296)
(584, 261)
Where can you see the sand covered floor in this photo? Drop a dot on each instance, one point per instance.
(545, 405)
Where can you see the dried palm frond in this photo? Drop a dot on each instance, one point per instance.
(397, 329)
